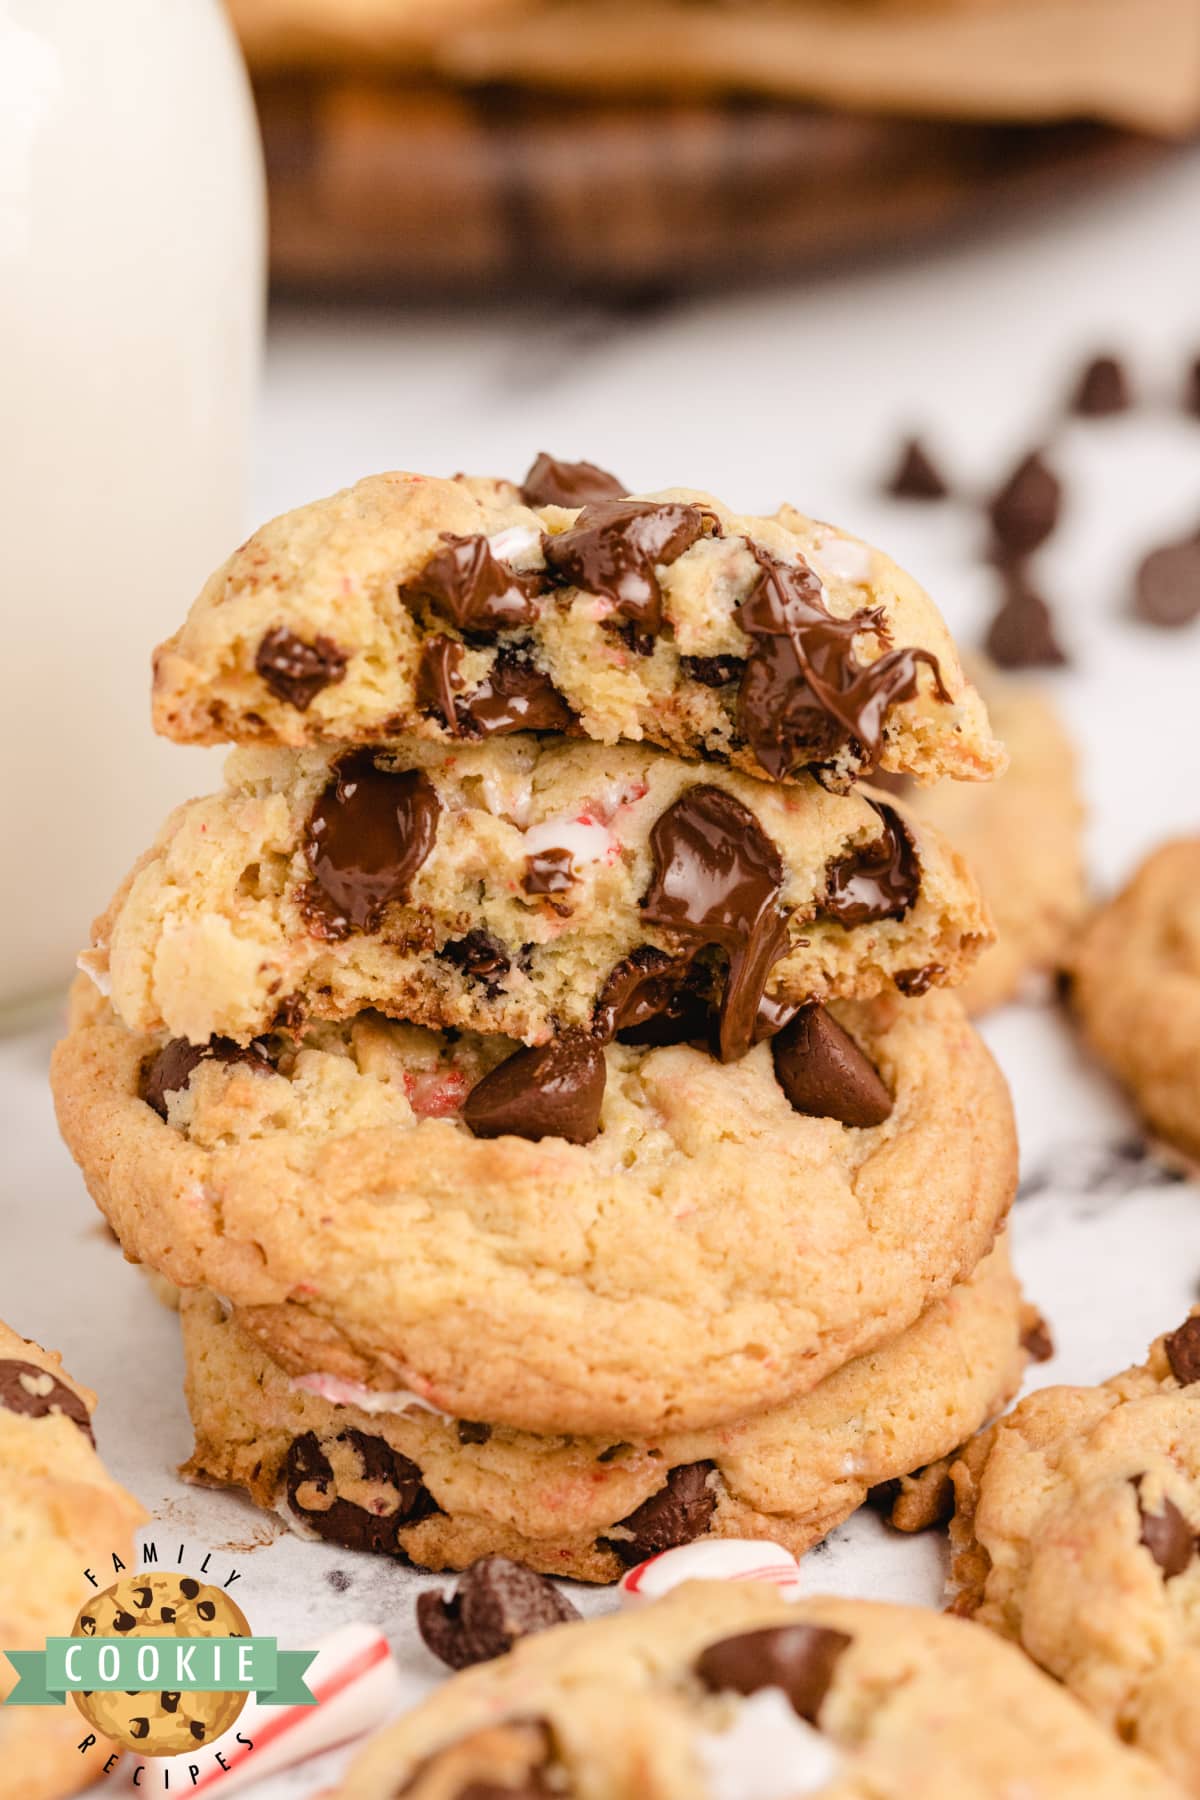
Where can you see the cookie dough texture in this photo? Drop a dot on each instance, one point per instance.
(1135, 989)
(60, 1513)
(614, 1708)
(551, 1503)
(213, 932)
(1075, 1536)
(331, 571)
(710, 1253)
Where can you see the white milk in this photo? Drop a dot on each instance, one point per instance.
(131, 287)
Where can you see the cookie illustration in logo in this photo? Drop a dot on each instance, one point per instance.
(161, 1606)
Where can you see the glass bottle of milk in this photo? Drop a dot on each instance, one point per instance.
(131, 303)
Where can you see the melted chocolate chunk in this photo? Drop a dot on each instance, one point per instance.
(916, 476)
(799, 1659)
(717, 877)
(1102, 389)
(1022, 635)
(914, 982)
(805, 699)
(1167, 587)
(554, 1090)
(514, 696)
(614, 547)
(481, 957)
(1166, 1534)
(297, 672)
(312, 1495)
(465, 584)
(713, 671)
(677, 1514)
(438, 680)
(549, 872)
(498, 1602)
(174, 1065)
(1183, 1351)
(644, 985)
(368, 835)
(550, 482)
(26, 1388)
(1025, 510)
(824, 1073)
(879, 881)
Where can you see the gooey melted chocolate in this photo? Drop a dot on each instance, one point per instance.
(367, 836)
(613, 549)
(879, 881)
(550, 482)
(514, 696)
(467, 585)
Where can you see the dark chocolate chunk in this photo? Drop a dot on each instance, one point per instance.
(1102, 389)
(481, 957)
(296, 672)
(918, 981)
(1166, 1534)
(717, 877)
(643, 986)
(549, 872)
(1025, 510)
(916, 476)
(439, 682)
(172, 1068)
(1183, 1351)
(824, 1073)
(553, 1090)
(1036, 1338)
(514, 696)
(1167, 585)
(677, 1514)
(368, 835)
(800, 1659)
(473, 1431)
(879, 881)
(403, 1499)
(465, 584)
(712, 671)
(498, 1601)
(1022, 635)
(614, 547)
(805, 699)
(550, 482)
(26, 1388)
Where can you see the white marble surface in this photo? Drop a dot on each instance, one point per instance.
(796, 393)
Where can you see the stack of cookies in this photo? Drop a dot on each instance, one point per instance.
(535, 1066)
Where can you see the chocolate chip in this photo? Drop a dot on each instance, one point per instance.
(614, 548)
(805, 699)
(717, 877)
(1036, 1338)
(549, 872)
(498, 1601)
(481, 957)
(143, 1597)
(1022, 635)
(1102, 389)
(173, 1066)
(1183, 1351)
(1025, 510)
(916, 476)
(206, 1610)
(515, 696)
(712, 671)
(1166, 1534)
(550, 482)
(553, 1090)
(677, 1514)
(824, 1073)
(472, 1431)
(123, 1621)
(643, 985)
(401, 1497)
(882, 880)
(465, 584)
(297, 672)
(139, 1728)
(800, 1659)
(169, 1702)
(367, 836)
(198, 1729)
(439, 683)
(914, 982)
(189, 1588)
(26, 1388)
(1167, 585)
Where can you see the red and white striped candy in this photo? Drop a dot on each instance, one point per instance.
(710, 1559)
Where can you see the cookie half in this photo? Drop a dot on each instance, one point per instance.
(455, 611)
(525, 887)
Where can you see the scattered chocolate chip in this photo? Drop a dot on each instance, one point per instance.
(26, 1388)
(473, 1431)
(805, 699)
(824, 1073)
(173, 1066)
(677, 1514)
(800, 1659)
(297, 672)
(498, 1601)
(712, 671)
(1167, 584)
(401, 1497)
(549, 872)
(643, 985)
(717, 877)
(368, 834)
(1166, 1534)
(1102, 389)
(465, 584)
(1026, 509)
(882, 880)
(1037, 1340)
(1022, 635)
(914, 982)
(614, 548)
(916, 476)
(481, 957)
(550, 482)
(1183, 1351)
(554, 1090)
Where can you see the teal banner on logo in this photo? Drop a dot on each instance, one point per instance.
(133, 1665)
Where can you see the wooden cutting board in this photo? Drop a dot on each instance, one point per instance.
(395, 190)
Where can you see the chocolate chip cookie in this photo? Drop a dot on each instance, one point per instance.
(462, 610)
(525, 887)
(623, 1238)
